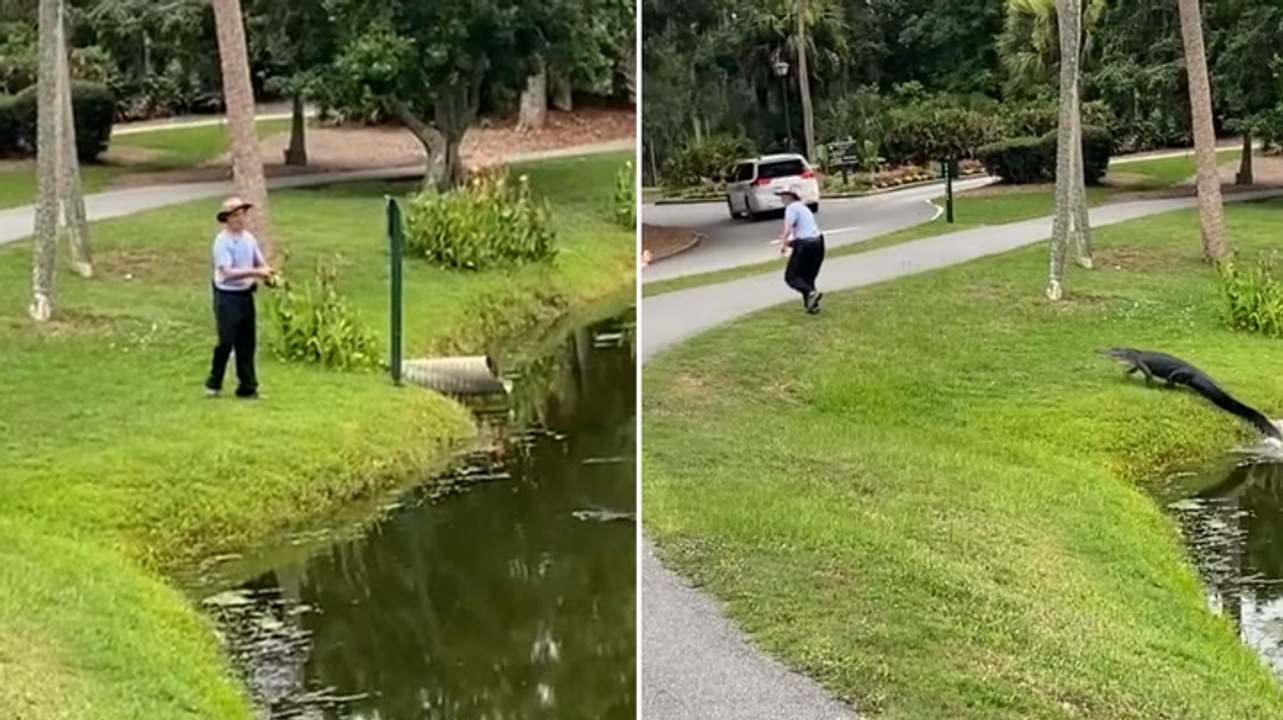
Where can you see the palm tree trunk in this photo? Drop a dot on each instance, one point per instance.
(1061, 227)
(70, 197)
(533, 113)
(238, 94)
(563, 91)
(804, 84)
(1211, 212)
(46, 229)
(1079, 232)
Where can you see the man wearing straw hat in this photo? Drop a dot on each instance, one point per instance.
(802, 235)
(238, 265)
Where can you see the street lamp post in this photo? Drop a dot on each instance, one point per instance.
(782, 71)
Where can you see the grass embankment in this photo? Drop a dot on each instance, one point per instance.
(986, 206)
(115, 471)
(156, 150)
(931, 497)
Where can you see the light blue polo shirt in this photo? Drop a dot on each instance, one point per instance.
(800, 218)
(234, 251)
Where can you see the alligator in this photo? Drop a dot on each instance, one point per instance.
(1175, 371)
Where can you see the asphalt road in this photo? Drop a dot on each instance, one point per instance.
(731, 243)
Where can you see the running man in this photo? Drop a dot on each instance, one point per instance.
(802, 235)
(238, 265)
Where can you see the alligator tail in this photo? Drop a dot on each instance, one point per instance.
(1226, 402)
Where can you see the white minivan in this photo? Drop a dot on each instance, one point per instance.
(751, 190)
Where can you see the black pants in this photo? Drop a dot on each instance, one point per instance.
(237, 331)
(804, 265)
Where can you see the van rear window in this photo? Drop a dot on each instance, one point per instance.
(780, 168)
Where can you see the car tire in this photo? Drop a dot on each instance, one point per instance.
(730, 208)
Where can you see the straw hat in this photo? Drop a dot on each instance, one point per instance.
(231, 205)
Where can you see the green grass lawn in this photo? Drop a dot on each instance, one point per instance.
(116, 472)
(173, 149)
(179, 148)
(932, 497)
(1164, 173)
(973, 210)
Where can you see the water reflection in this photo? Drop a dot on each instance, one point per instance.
(507, 600)
(1234, 530)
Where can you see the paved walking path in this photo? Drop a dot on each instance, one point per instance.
(265, 111)
(18, 223)
(695, 664)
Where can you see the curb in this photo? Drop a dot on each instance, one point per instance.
(696, 239)
(837, 196)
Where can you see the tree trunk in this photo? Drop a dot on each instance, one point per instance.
(1079, 232)
(238, 96)
(1211, 212)
(70, 197)
(534, 102)
(453, 173)
(1062, 225)
(433, 142)
(456, 111)
(563, 95)
(1246, 175)
(296, 153)
(46, 229)
(804, 84)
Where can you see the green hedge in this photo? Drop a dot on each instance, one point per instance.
(94, 106)
(1026, 160)
(1019, 161)
(1037, 118)
(925, 133)
(1097, 146)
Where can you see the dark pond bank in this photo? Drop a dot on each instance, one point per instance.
(506, 590)
(1233, 526)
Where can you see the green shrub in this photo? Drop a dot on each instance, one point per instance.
(1026, 160)
(1019, 161)
(928, 132)
(626, 196)
(1253, 299)
(93, 105)
(1097, 146)
(705, 163)
(317, 326)
(1039, 117)
(491, 221)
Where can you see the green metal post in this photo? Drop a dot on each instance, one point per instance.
(948, 190)
(396, 244)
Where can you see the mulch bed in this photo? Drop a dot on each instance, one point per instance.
(663, 242)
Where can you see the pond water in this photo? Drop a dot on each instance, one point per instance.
(505, 590)
(1233, 527)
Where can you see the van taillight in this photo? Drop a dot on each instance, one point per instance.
(808, 174)
(762, 182)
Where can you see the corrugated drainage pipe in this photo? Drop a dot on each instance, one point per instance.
(472, 375)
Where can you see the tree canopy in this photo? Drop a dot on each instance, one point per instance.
(708, 67)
